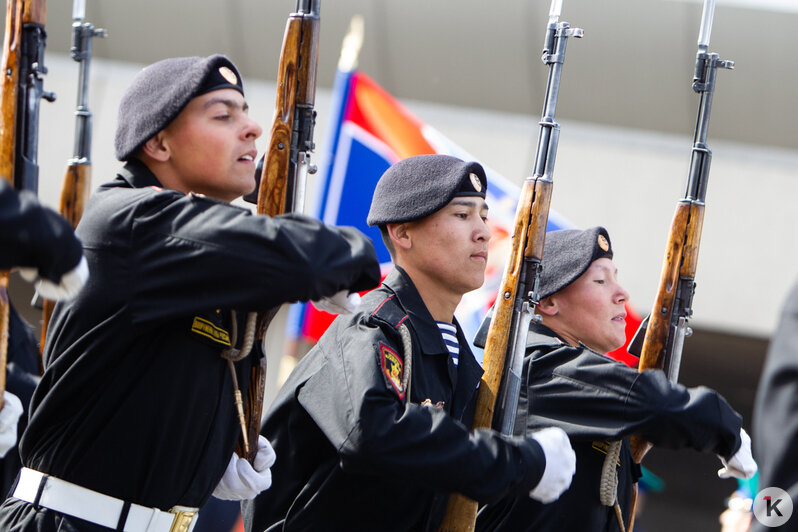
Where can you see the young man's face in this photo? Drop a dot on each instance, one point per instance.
(591, 309)
(212, 145)
(450, 247)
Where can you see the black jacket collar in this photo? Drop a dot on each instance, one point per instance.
(135, 174)
(540, 335)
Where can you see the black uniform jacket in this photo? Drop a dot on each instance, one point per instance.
(775, 435)
(353, 454)
(597, 400)
(136, 401)
(33, 235)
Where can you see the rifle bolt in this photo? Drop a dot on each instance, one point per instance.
(688, 332)
(312, 169)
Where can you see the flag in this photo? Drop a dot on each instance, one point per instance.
(370, 130)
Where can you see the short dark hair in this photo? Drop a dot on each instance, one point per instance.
(386, 239)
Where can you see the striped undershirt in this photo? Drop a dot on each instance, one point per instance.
(449, 333)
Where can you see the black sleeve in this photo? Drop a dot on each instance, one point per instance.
(376, 433)
(32, 235)
(190, 248)
(591, 396)
(775, 427)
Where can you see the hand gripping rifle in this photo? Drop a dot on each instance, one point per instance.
(666, 327)
(21, 90)
(517, 298)
(282, 179)
(77, 180)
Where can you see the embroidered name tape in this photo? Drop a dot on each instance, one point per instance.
(207, 329)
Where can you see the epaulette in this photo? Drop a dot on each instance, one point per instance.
(389, 312)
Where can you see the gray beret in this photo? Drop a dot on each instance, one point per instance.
(160, 91)
(568, 253)
(418, 186)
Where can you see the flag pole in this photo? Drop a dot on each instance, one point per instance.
(351, 45)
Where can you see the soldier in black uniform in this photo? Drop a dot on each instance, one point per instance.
(41, 243)
(133, 425)
(569, 382)
(775, 422)
(372, 426)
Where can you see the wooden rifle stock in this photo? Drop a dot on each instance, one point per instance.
(678, 267)
(517, 297)
(19, 13)
(287, 161)
(528, 238)
(8, 105)
(74, 196)
(77, 179)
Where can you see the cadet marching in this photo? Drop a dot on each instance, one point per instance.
(136, 421)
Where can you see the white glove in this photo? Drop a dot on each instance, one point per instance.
(742, 464)
(9, 416)
(68, 287)
(560, 464)
(341, 303)
(241, 481)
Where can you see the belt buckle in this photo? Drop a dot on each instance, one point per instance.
(182, 520)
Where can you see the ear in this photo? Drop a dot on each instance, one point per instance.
(548, 306)
(399, 236)
(156, 148)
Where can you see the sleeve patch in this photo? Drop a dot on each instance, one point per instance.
(392, 366)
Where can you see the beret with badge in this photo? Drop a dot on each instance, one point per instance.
(161, 90)
(421, 185)
(568, 253)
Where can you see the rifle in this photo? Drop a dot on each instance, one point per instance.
(666, 327)
(77, 180)
(21, 90)
(281, 183)
(517, 298)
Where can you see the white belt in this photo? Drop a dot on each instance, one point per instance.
(71, 499)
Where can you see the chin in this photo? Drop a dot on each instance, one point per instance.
(617, 345)
(476, 284)
(250, 188)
